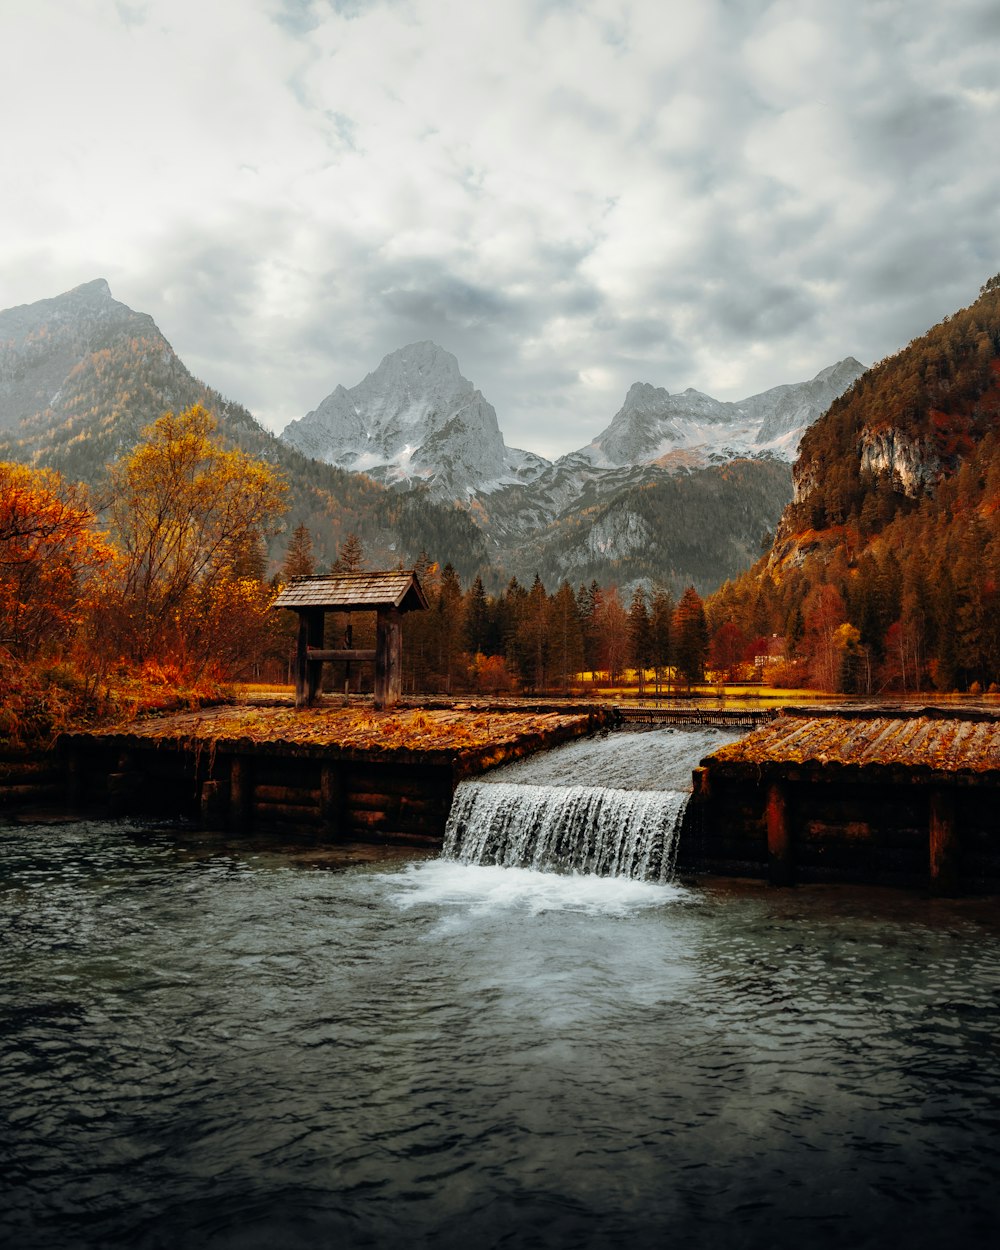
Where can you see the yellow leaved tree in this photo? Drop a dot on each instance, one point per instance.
(184, 511)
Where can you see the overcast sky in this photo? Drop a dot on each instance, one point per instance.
(570, 195)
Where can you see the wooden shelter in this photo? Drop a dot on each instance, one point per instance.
(389, 595)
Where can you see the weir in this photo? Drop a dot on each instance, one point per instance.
(610, 807)
(588, 829)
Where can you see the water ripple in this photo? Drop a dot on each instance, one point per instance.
(208, 1045)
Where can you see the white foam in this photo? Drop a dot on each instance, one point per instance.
(478, 889)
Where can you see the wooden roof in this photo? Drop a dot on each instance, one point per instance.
(344, 591)
(935, 743)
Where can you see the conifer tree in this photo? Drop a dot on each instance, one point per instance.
(565, 636)
(351, 556)
(640, 636)
(299, 560)
(690, 634)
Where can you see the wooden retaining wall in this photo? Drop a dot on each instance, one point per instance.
(290, 787)
(266, 791)
(716, 718)
(30, 777)
(853, 807)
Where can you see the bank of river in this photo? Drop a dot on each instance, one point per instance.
(215, 1042)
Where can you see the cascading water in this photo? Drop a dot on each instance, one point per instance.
(607, 832)
(610, 807)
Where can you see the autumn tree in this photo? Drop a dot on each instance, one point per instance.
(729, 644)
(533, 635)
(49, 552)
(181, 504)
(612, 635)
(448, 622)
(824, 613)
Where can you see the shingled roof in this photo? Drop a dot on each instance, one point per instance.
(344, 591)
(921, 742)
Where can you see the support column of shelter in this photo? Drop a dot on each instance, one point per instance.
(388, 657)
(307, 671)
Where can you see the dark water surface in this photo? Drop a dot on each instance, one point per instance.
(210, 1043)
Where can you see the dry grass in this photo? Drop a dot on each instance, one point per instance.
(354, 728)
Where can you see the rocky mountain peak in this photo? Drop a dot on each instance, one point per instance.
(414, 419)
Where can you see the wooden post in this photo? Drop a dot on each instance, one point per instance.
(301, 662)
(388, 657)
(944, 877)
(331, 798)
(210, 805)
(241, 794)
(779, 842)
(317, 618)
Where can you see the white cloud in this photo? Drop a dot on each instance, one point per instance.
(569, 196)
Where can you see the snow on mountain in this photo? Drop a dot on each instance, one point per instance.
(415, 419)
(692, 429)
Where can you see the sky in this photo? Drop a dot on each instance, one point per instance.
(569, 195)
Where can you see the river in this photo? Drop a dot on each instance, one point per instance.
(216, 1042)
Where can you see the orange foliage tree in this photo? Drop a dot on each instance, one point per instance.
(49, 552)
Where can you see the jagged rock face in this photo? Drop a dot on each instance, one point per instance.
(618, 535)
(42, 343)
(893, 453)
(414, 419)
(686, 430)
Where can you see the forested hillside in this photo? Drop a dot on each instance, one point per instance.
(82, 375)
(677, 530)
(886, 568)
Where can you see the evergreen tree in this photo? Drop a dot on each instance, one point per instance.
(640, 636)
(533, 634)
(448, 614)
(565, 636)
(299, 560)
(476, 619)
(690, 635)
(351, 556)
(661, 644)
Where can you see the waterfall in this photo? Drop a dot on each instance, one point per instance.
(586, 829)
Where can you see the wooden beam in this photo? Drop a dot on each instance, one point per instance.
(327, 655)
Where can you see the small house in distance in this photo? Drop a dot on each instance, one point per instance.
(389, 595)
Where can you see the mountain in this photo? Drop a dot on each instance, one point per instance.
(81, 375)
(691, 429)
(676, 529)
(885, 571)
(651, 497)
(414, 420)
(656, 436)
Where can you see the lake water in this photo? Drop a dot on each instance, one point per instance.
(212, 1042)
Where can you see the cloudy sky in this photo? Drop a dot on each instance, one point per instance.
(570, 195)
